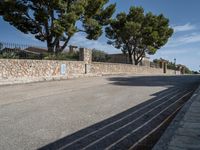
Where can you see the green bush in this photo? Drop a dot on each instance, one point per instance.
(172, 66)
(61, 56)
(9, 55)
(187, 70)
(99, 56)
(19, 54)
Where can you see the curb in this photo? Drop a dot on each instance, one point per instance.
(164, 141)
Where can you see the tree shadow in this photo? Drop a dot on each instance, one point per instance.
(101, 131)
(164, 81)
(83, 137)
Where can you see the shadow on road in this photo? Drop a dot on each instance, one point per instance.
(101, 135)
(164, 81)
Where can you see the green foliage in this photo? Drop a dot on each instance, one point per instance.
(171, 65)
(1, 46)
(57, 21)
(19, 54)
(137, 33)
(9, 55)
(15, 54)
(187, 70)
(99, 56)
(62, 56)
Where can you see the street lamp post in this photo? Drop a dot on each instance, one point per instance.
(175, 65)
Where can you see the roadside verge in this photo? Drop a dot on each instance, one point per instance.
(184, 131)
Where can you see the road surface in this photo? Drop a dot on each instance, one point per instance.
(82, 113)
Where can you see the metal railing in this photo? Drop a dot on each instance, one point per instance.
(25, 51)
(16, 46)
(20, 51)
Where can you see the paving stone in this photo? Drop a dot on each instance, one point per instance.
(176, 148)
(193, 125)
(194, 132)
(185, 141)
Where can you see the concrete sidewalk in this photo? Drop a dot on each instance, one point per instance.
(40, 79)
(184, 132)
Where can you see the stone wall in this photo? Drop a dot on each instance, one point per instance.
(27, 70)
(15, 68)
(114, 68)
(47, 69)
(85, 55)
(172, 72)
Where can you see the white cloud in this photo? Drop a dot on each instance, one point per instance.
(179, 51)
(81, 41)
(183, 40)
(173, 51)
(193, 38)
(186, 27)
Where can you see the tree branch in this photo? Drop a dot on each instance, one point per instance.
(52, 19)
(65, 44)
(140, 57)
(55, 40)
(37, 25)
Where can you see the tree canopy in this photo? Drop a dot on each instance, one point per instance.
(1, 46)
(56, 21)
(138, 34)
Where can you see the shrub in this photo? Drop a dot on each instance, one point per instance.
(99, 56)
(172, 66)
(9, 55)
(62, 56)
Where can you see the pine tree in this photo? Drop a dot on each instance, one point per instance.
(56, 21)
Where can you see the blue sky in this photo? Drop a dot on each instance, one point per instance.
(184, 45)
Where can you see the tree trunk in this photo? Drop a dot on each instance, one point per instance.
(50, 48)
(50, 45)
(54, 47)
(57, 47)
(136, 62)
(137, 58)
(130, 57)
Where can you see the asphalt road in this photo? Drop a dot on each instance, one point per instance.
(35, 115)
